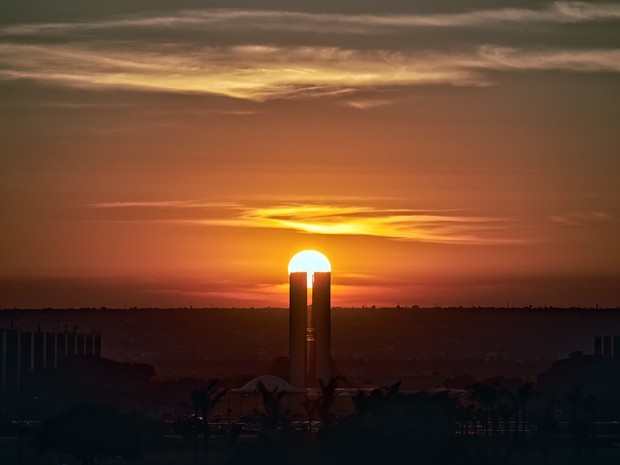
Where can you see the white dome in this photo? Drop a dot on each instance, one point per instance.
(271, 382)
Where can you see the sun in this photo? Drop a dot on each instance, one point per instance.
(309, 261)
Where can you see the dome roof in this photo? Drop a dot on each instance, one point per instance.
(271, 382)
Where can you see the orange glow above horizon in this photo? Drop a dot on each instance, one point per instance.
(453, 155)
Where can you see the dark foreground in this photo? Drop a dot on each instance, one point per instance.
(561, 454)
(496, 422)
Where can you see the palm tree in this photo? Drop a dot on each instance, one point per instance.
(548, 426)
(493, 415)
(465, 416)
(506, 409)
(376, 404)
(326, 399)
(592, 405)
(276, 415)
(486, 396)
(524, 394)
(579, 422)
(204, 399)
(310, 406)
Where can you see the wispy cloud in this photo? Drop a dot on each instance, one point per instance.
(246, 72)
(254, 20)
(366, 104)
(505, 58)
(166, 204)
(218, 291)
(403, 224)
(72, 106)
(346, 220)
(583, 218)
(262, 72)
(173, 51)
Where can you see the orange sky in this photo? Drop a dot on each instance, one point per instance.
(172, 154)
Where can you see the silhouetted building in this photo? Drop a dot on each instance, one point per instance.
(607, 346)
(598, 346)
(298, 322)
(24, 352)
(309, 345)
(321, 322)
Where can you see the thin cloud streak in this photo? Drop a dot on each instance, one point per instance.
(506, 58)
(323, 219)
(367, 104)
(166, 204)
(583, 218)
(259, 73)
(557, 12)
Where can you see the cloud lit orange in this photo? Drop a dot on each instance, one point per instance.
(451, 155)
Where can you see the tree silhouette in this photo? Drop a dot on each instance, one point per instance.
(548, 426)
(187, 427)
(581, 423)
(393, 427)
(310, 406)
(465, 416)
(486, 396)
(326, 399)
(204, 399)
(524, 394)
(276, 415)
(506, 407)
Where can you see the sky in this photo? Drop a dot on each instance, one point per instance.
(160, 153)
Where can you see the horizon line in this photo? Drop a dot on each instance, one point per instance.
(594, 307)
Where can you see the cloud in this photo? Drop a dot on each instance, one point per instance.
(506, 58)
(342, 220)
(186, 52)
(166, 204)
(367, 104)
(245, 72)
(232, 293)
(583, 218)
(401, 224)
(259, 73)
(266, 20)
(72, 106)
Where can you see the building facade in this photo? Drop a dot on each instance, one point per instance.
(23, 352)
(309, 333)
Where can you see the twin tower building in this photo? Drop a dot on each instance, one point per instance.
(309, 329)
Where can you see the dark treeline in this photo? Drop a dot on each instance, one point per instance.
(173, 339)
(496, 421)
(94, 408)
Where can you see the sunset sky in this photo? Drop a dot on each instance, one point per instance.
(168, 153)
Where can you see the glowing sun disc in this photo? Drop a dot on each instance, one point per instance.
(309, 261)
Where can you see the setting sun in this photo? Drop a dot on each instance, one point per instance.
(440, 155)
(309, 261)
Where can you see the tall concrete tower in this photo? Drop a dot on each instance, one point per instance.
(309, 341)
(298, 322)
(321, 321)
